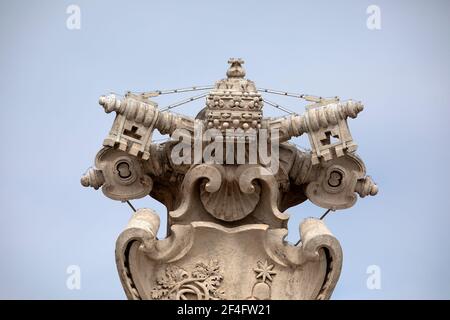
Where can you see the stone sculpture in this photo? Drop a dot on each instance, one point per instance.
(227, 216)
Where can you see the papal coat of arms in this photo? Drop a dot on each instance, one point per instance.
(227, 178)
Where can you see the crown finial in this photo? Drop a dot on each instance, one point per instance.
(236, 70)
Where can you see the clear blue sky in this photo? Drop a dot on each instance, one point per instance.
(52, 125)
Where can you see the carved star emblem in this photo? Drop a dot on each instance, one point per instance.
(264, 271)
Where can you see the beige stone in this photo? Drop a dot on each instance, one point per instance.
(227, 221)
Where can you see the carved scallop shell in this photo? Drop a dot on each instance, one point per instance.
(229, 203)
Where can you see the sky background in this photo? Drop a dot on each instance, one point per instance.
(52, 126)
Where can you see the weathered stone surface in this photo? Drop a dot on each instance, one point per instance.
(227, 219)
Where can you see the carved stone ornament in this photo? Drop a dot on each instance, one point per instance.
(227, 178)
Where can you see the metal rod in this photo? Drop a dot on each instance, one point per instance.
(131, 206)
(303, 96)
(321, 218)
(177, 104)
(275, 105)
(282, 93)
(325, 214)
(180, 90)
